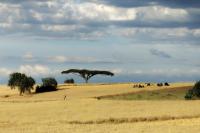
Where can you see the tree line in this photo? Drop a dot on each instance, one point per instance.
(26, 83)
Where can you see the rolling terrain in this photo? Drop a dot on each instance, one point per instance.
(82, 112)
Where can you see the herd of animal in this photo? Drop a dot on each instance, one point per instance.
(150, 84)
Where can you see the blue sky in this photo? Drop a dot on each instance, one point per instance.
(138, 40)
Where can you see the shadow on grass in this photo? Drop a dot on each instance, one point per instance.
(177, 93)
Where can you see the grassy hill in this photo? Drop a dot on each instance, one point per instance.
(81, 112)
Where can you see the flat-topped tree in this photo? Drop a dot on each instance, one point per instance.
(87, 74)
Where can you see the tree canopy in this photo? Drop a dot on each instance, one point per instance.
(87, 74)
(21, 81)
(48, 84)
(49, 81)
(193, 93)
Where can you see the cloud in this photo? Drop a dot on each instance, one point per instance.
(117, 71)
(160, 13)
(167, 72)
(161, 35)
(159, 53)
(76, 59)
(28, 56)
(4, 72)
(136, 3)
(34, 70)
(63, 59)
(91, 20)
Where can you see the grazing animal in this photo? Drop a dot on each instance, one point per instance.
(159, 84)
(138, 86)
(141, 86)
(148, 84)
(98, 98)
(65, 97)
(166, 84)
(135, 86)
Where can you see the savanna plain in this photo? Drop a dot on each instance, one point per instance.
(100, 108)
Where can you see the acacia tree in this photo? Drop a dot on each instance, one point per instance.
(22, 82)
(87, 74)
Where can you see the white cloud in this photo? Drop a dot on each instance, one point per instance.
(117, 71)
(196, 32)
(76, 59)
(60, 28)
(160, 13)
(60, 59)
(30, 70)
(28, 56)
(170, 72)
(159, 33)
(90, 20)
(104, 12)
(34, 70)
(4, 72)
(66, 19)
(36, 15)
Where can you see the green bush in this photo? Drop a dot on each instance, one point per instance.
(196, 89)
(194, 92)
(48, 84)
(189, 95)
(22, 82)
(69, 81)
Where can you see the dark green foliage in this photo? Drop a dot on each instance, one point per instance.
(196, 89)
(87, 74)
(22, 82)
(69, 81)
(189, 95)
(194, 92)
(166, 84)
(40, 89)
(15, 80)
(48, 84)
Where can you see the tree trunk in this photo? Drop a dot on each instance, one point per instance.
(29, 91)
(20, 92)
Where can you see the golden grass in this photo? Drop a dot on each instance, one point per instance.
(49, 113)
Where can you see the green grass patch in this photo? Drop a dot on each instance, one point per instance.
(163, 94)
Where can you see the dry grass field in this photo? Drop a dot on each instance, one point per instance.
(82, 113)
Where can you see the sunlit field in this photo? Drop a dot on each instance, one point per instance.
(81, 111)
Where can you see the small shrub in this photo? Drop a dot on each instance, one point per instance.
(196, 89)
(48, 84)
(194, 92)
(69, 81)
(40, 89)
(189, 95)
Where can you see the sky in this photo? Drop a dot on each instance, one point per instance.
(138, 40)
